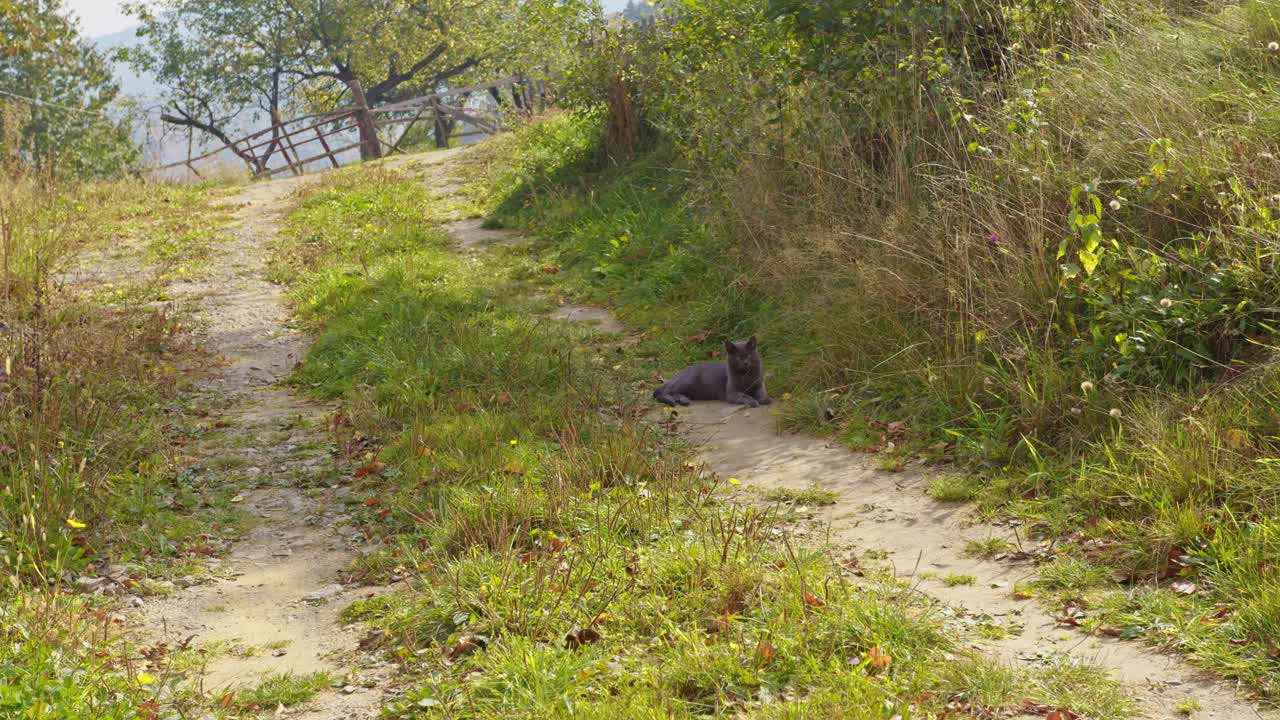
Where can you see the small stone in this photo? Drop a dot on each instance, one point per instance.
(349, 689)
(186, 581)
(89, 583)
(135, 601)
(324, 593)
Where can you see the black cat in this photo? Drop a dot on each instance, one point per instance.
(738, 380)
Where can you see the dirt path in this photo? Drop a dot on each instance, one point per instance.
(278, 611)
(889, 516)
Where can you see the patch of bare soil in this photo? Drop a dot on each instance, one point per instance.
(888, 517)
(278, 612)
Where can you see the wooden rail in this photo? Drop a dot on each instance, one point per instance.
(446, 111)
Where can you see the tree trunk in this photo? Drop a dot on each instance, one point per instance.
(370, 146)
(443, 125)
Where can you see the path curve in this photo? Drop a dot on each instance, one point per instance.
(890, 513)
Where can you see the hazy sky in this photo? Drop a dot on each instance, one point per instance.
(103, 17)
(99, 17)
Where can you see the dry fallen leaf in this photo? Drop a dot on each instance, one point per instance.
(1185, 588)
(464, 645)
(583, 636)
(766, 651)
(371, 469)
(877, 659)
(814, 601)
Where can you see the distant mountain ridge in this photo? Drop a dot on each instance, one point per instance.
(131, 83)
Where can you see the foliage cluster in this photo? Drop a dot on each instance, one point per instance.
(67, 127)
(228, 62)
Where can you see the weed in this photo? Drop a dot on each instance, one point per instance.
(955, 488)
(988, 548)
(284, 689)
(814, 495)
(1187, 706)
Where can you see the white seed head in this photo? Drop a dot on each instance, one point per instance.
(1115, 413)
(1115, 204)
(1077, 411)
(1166, 303)
(1086, 387)
(1273, 46)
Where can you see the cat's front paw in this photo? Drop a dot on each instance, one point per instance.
(746, 400)
(765, 400)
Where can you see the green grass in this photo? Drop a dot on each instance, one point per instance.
(284, 689)
(988, 548)
(812, 496)
(561, 555)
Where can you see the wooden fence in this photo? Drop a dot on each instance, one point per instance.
(319, 137)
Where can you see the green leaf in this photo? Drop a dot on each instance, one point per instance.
(1089, 261)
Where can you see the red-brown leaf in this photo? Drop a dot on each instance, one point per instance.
(371, 469)
(583, 636)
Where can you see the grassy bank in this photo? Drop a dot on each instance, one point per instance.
(93, 426)
(1073, 306)
(561, 556)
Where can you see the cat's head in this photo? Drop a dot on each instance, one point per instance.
(742, 357)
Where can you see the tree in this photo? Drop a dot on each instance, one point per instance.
(220, 63)
(65, 125)
(216, 56)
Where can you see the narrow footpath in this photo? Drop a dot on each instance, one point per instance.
(278, 612)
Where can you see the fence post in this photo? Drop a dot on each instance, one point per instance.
(370, 148)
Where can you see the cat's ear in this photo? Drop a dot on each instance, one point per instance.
(751, 344)
(730, 347)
